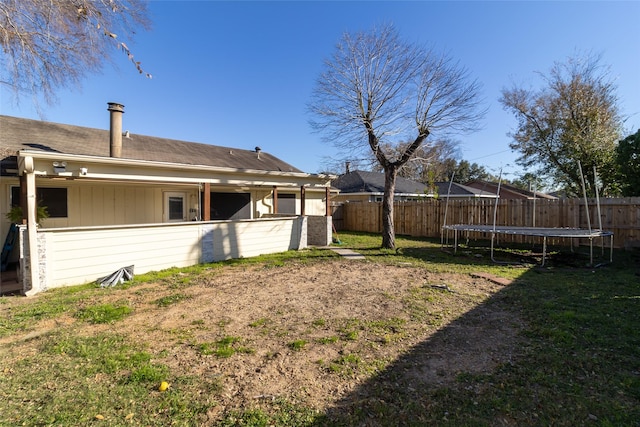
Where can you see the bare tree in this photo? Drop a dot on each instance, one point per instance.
(574, 118)
(48, 45)
(378, 89)
(428, 161)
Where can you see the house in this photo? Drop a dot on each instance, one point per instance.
(507, 191)
(363, 186)
(118, 198)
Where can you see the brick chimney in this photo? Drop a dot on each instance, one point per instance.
(115, 137)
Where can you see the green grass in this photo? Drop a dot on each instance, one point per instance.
(72, 379)
(104, 313)
(579, 366)
(577, 362)
(58, 301)
(224, 347)
(297, 345)
(171, 299)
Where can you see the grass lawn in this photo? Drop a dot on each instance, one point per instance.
(84, 355)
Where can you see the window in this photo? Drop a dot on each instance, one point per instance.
(54, 199)
(286, 203)
(230, 205)
(175, 207)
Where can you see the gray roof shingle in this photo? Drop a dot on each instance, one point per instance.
(373, 182)
(27, 134)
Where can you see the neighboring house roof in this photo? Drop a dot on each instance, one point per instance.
(373, 183)
(26, 134)
(507, 191)
(460, 190)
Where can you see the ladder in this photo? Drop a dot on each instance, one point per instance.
(8, 246)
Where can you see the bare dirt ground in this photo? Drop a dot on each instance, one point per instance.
(352, 321)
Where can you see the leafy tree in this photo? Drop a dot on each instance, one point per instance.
(379, 91)
(529, 181)
(573, 119)
(46, 45)
(465, 172)
(628, 163)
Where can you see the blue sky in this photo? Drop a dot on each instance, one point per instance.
(240, 73)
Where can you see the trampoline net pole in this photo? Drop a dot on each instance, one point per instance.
(446, 207)
(495, 208)
(584, 193)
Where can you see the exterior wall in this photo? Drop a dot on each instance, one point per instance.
(98, 204)
(72, 256)
(314, 202)
(319, 230)
(108, 204)
(240, 239)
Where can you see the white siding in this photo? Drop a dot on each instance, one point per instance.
(81, 255)
(243, 239)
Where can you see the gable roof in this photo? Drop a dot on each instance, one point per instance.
(27, 134)
(460, 190)
(373, 182)
(507, 191)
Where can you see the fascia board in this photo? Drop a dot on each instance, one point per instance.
(268, 177)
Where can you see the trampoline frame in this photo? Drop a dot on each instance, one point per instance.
(565, 233)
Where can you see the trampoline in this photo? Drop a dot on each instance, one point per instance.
(544, 233)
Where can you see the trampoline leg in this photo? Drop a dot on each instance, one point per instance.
(544, 250)
(455, 241)
(493, 235)
(611, 250)
(590, 252)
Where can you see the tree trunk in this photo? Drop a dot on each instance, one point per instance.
(388, 231)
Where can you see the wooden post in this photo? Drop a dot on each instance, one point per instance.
(23, 197)
(206, 202)
(302, 200)
(327, 194)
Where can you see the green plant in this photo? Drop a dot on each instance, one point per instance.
(297, 345)
(224, 347)
(15, 214)
(105, 313)
(171, 299)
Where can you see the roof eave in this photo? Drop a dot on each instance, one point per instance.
(324, 179)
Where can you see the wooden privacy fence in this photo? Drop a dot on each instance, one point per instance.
(426, 218)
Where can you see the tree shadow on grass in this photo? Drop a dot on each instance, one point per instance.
(545, 350)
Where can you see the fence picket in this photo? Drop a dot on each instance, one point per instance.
(426, 218)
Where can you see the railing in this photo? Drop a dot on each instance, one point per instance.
(71, 256)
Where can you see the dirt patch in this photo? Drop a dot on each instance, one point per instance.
(314, 333)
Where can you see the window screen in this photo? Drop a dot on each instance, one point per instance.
(286, 203)
(176, 208)
(230, 205)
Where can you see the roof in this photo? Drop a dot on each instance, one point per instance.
(27, 134)
(373, 182)
(507, 191)
(460, 190)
